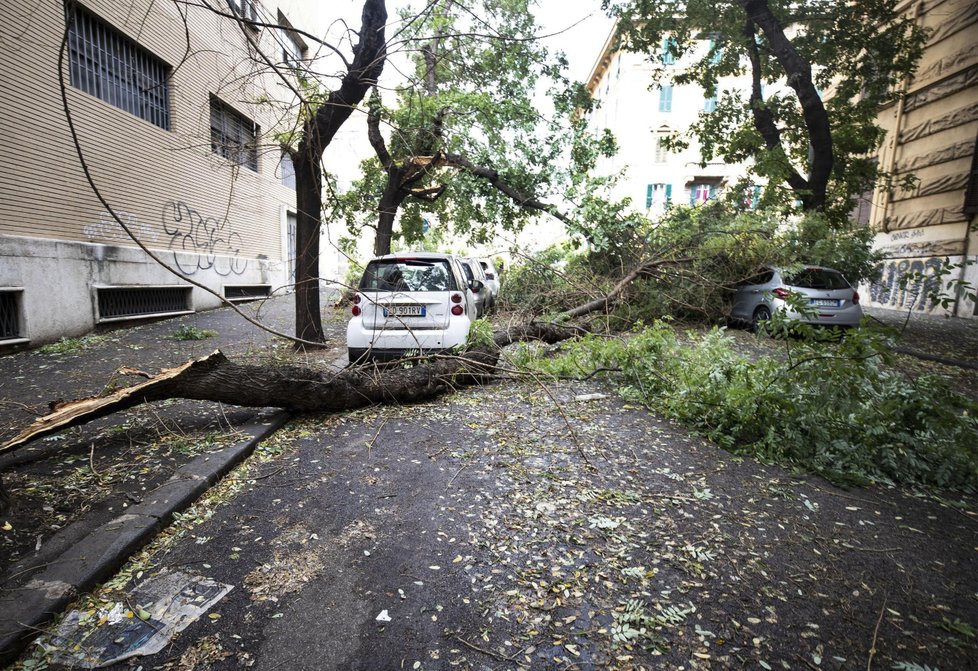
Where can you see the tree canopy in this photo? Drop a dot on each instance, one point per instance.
(819, 73)
(466, 138)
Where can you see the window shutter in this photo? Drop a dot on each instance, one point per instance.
(692, 196)
(648, 196)
(713, 191)
(668, 193)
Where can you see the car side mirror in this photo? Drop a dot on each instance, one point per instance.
(476, 286)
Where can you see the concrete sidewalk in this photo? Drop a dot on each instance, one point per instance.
(91, 545)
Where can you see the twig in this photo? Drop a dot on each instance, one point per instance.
(484, 651)
(91, 463)
(435, 454)
(374, 439)
(876, 631)
(464, 466)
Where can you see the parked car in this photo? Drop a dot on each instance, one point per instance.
(410, 302)
(477, 285)
(831, 299)
(492, 280)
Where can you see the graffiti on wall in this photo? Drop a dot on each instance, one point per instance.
(907, 283)
(210, 242)
(107, 229)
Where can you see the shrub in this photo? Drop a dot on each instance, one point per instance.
(832, 408)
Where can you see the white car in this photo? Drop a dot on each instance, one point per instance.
(410, 302)
(492, 280)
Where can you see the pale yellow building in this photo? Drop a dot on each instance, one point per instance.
(170, 105)
(932, 134)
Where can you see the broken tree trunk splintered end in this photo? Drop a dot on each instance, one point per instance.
(299, 389)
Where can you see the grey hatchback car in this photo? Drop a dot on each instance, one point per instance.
(831, 299)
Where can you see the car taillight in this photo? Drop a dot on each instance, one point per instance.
(855, 298)
(457, 310)
(781, 293)
(457, 298)
(356, 310)
(356, 299)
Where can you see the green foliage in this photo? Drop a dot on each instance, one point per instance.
(72, 345)
(189, 332)
(480, 334)
(833, 409)
(478, 101)
(858, 53)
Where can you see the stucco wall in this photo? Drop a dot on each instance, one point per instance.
(211, 219)
(932, 136)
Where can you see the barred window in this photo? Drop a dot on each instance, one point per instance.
(233, 135)
(108, 65)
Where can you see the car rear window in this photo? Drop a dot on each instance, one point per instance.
(407, 275)
(817, 278)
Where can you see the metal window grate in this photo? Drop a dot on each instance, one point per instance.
(233, 136)
(132, 302)
(247, 292)
(110, 66)
(9, 315)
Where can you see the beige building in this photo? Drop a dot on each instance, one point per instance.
(168, 122)
(642, 117)
(932, 135)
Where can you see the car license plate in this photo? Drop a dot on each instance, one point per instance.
(825, 302)
(404, 311)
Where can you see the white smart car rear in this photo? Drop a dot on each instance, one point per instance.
(411, 302)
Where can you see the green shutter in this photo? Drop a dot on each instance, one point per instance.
(648, 196)
(668, 193)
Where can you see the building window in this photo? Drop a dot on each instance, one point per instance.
(668, 51)
(716, 52)
(292, 52)
(658, 196)
(113, 68)
(701, 192)
(246, 9)
(665, 98)
(287, 170)
(233, 136)
(753, 197)
(710, 104)
(661, 149)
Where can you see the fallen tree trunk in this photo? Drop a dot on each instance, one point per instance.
(216, 378)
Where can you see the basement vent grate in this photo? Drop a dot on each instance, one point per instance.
(9, 315)
(247, 292)
(116, 303)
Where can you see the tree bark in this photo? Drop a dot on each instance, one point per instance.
(216, 378)
(799, 74)
(318, 131)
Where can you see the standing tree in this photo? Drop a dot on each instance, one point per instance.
(841, 60)
(467, 141)
(321, 117)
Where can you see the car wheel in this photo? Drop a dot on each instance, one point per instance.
(761, 314)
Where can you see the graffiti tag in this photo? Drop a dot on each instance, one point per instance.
(907, 284)
(210, 241)
(108, 229)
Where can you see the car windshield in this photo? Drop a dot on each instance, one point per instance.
(817, 278)
(407, 275)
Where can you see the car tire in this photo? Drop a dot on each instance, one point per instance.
(761, 314)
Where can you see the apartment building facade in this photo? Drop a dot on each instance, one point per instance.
(643, 116)
(932, 134)
(173, 136)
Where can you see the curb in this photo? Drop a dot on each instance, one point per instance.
(88, 560)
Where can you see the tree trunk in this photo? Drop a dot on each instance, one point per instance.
(390, 202)
(317, 132)
(216, 378)
(309, 186)
(799, 73)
